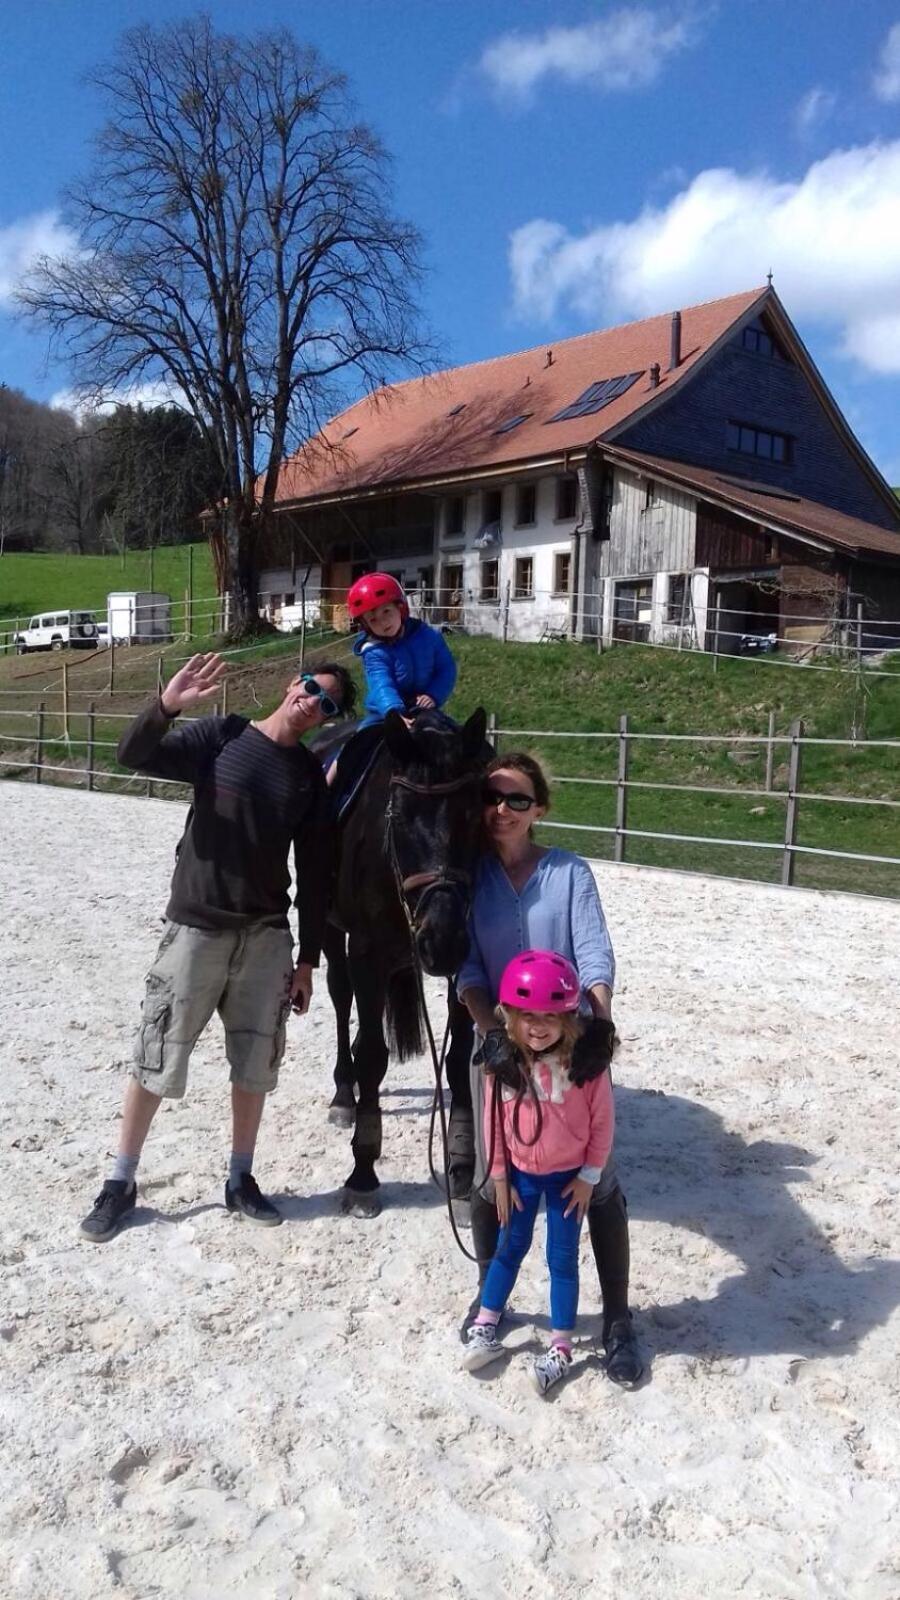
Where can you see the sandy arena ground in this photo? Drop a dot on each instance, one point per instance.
(201, 1409)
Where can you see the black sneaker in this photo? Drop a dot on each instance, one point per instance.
(112, 1207)
(250, 1203)
(624, 1364)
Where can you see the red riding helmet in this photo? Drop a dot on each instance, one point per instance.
(375, 589)
(540, 980)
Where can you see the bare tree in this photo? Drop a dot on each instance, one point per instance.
(236, 241)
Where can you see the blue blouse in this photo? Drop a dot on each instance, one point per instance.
(557, 909)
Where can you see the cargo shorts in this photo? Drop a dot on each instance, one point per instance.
(244, 974)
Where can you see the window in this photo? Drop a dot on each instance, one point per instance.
(650, 494)
(761, 442)
(489, 581)
(678, 606)
(562, 565)
(761, 343)
(526, 504)
(492, 507)
(566, 497)
(523, 582)
(455, 514)
(596, 397)
(514, 422)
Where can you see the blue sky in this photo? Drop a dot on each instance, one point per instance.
(571, 164)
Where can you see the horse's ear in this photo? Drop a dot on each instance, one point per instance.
(474, 731)
(398, 738)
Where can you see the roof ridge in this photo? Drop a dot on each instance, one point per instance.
(590, 333)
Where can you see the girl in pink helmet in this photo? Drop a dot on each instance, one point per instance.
(546, 1137)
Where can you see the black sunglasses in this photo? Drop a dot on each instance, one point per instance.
(516, 800)
(313, 688)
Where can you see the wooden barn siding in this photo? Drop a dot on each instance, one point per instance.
(741, 386)
(658, 539)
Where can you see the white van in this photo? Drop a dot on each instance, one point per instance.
(56, 629)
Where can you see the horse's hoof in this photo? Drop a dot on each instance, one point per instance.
(342, 1116)
(354, 1203)
(462, 1212)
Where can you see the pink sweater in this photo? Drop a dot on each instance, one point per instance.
(577, 1124)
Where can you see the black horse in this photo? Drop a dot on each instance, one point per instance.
(408, 852)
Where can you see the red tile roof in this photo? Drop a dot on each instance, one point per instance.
(787, 510)
(405, 435)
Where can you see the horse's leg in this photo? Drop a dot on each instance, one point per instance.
(461, 1130)
(361, 1197)
(343, 1104)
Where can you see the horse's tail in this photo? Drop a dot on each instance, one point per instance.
(403, 1015)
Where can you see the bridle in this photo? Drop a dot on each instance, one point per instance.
(433, 878)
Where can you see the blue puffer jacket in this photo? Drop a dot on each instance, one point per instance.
(416, 662)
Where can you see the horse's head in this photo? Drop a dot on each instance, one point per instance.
(433, 824)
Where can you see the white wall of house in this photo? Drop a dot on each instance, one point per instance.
(532, 556)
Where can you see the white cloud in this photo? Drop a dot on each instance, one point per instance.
(886, 81)
(625, 50)
(832, 240)
(815, 106)
(22, 243)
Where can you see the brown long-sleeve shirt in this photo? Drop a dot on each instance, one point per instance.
(253, 800)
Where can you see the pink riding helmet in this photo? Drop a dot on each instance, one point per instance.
(540, 980)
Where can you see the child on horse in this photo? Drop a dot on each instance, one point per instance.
(545, 1136)
(406, 661)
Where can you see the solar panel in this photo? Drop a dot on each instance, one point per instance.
(596, 396)
(507, 427)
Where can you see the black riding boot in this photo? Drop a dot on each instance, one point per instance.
(608, 1226)
(461, 1151)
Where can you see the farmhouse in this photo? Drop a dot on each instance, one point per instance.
(676, 479)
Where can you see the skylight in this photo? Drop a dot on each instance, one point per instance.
(507, 427)
(596, 397)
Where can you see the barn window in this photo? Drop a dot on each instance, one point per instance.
(676, 609)
(566, 497)
(526, 504)
(761, 442)
(562, 563)
(523, 583)
(489, 581)
(455, 514)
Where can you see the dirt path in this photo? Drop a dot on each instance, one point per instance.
(200, 1409)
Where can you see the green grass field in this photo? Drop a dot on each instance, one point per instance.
(565, 687)
(31, 583)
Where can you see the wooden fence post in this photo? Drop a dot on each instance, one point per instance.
(793, 805)
(65, 700)
(39, 756)
(112, 663)
(770, 754)
(622, 791)
(505, 626)
(716, 633)
(90, 744)
(159, 674)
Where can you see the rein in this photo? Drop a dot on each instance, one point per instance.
(426, 882)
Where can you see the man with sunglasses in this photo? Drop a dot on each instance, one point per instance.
(226, 946)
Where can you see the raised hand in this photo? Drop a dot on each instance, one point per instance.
(198, 680)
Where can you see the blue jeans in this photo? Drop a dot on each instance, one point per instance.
(514, 1244)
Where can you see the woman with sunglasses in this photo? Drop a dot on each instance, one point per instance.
(529, 896)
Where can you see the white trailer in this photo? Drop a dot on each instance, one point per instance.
(139, 617)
